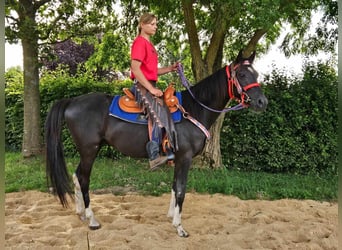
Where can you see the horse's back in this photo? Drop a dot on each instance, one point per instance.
(90, 102)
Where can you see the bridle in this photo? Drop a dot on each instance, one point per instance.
(232, 81)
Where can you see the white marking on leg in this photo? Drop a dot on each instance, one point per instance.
(172, 205)
(79, 201)
(177, 220)
(93, 223)
(177, 223)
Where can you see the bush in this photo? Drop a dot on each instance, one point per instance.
(14, 111)
(54, 85)
(298, 131)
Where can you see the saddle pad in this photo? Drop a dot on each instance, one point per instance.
(140, 118)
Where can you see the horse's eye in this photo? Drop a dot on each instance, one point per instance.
(241, 74)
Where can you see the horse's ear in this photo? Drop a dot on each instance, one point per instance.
(252, 57)
(239, 58)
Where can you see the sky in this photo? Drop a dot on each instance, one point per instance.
(263, 64)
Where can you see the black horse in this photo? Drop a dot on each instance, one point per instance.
(91, 126)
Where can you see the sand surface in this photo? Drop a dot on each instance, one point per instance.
(36, 220)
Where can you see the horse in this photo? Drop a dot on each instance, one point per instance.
(90, 125)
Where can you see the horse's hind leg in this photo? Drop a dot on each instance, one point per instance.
(81, 180)
(79, 202)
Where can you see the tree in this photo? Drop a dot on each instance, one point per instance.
(70, 54)
(324, 39)
(37, 24)
(212, 32)
(106, 58)
(217, 30)
(111, 55)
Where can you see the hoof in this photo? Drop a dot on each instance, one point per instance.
(181, 232)
(95, 227)
(184, 234)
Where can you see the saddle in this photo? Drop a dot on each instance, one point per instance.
(129, 104)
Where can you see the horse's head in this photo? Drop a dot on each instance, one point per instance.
(247, 89)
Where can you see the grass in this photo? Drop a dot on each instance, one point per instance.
(129, 174)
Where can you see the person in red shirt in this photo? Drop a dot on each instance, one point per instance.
(144, 72)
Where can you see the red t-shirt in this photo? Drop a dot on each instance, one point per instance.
(143, 50)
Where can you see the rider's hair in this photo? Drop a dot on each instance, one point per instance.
(145, 19)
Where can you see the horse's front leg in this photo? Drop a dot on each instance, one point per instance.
(177, 197)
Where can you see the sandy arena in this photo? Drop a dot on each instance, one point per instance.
(36, 220)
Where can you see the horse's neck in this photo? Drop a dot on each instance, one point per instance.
(213, 93)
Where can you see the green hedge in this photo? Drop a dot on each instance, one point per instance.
(53, 86)
(297, 133)
(14, 108)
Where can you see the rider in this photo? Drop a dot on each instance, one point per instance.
(144, 72)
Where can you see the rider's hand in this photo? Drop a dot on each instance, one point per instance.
(156, 92)
(174, 67)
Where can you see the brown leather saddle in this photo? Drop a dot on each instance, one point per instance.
(129, 104)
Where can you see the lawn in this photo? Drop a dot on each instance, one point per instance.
(29, 174)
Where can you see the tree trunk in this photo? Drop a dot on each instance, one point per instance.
(31, 136)
(198, 67)
(29, 38)
(258, 34)
(211, 154)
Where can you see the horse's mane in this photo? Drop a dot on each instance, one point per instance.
(208, 91)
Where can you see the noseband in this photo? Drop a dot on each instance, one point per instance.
(242, 90)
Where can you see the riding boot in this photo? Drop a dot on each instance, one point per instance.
(170, 157)
(169, 153)
(156, 159)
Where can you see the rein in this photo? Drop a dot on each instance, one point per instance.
(232, 80)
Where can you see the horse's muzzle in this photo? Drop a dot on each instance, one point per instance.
(259, 104)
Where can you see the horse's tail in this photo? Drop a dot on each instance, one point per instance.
(56, 171)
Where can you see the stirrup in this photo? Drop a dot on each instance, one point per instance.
(156, 163)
